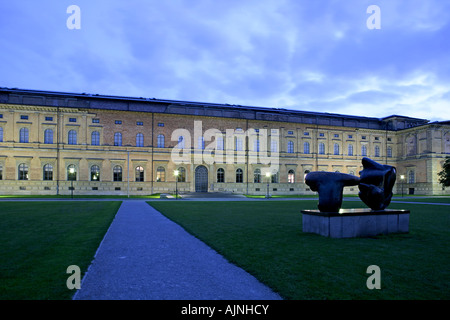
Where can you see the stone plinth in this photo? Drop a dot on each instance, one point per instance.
(353, 223)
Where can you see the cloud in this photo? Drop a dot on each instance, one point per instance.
(311, 55)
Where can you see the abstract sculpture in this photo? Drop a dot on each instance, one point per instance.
(375, 184)
(330, 186)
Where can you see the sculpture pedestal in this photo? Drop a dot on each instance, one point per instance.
(353, 223)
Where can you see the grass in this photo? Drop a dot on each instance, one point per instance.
(39, 240)
(265, 238)
(150, 196)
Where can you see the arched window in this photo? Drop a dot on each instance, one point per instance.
(117, 139)
(48, 136)
(411, 176)
(257, 176)
(364, 150)
(290, 147)
(336, 149)
(71, 173)
(24, 135)
(139, 140)
(160, 142)
(1, 172)
(321, 148)
(389, 152)
(1, 134)
(95, 173)
(181, 174)
(306, 147)
(239, 176)
(160, 174)
(350, 149)
(139, 174)
(220, 175)
(377, 151)
(72, 137)
(275, 178)
(291, 176)
(95, 138)
(48, 172)
(23, 171)
(117, 173)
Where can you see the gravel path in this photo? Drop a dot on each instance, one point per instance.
(144, 255)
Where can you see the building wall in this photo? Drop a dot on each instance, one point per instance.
(417, 152)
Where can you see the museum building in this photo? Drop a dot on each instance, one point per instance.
(62, 143)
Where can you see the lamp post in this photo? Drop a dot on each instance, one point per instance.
(72, 171)
(402, 178)
(268, 181)
(176, 173)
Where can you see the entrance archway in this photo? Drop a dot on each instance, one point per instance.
(201, 179)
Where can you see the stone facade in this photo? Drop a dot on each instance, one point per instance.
(123, 145)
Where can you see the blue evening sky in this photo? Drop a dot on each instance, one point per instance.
(315, 55)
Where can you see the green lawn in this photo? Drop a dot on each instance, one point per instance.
(77, 196)
(39, 240)
(265, 238)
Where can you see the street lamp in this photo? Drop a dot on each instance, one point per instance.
(402, 178)
(268, 181)
(176, 173)
(72, 171)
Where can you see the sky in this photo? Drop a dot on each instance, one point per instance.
(321, 55)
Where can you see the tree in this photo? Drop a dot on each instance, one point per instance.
(444, 175)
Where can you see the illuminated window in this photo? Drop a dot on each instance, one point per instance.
(291, 176)
(139, 174)
(160, 174)
(95, 173)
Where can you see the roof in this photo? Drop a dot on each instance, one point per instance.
(141, 104)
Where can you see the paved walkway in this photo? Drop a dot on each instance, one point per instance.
(144, 255)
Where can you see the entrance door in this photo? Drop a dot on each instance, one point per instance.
(201, 179)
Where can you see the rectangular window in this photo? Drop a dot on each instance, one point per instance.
(160, 124)
(350, 136)
(118, 122)
(291, 132)
(48, 118)
(24, 117)
(95, 120)
(139, 123)
(1, 115)
(336, 135)
(72, 119)
(363, 137)
(306, 133)
(321, 134)
(377, 138)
